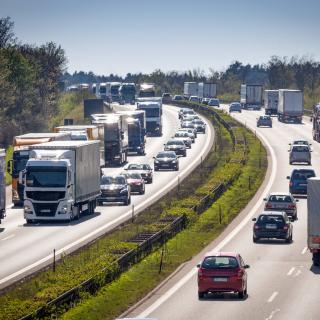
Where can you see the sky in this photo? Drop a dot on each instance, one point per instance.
(122, 36)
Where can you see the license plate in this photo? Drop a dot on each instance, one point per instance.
(302, 184)
(45, 210)
(279, 206)
(220, 279)
(271, 226)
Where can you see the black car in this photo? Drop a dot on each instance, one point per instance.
(298, 180)
(272, 225)
(177, 146)
(114, 189)
(166, 160)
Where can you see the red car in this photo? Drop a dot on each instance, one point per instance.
(222, 272)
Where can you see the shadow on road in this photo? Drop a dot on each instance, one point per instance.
(315, 270)
(223, 297)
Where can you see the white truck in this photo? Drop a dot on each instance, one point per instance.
(190, 89)
(290, 105)
(207, 90)
(153, 113)
(271, 98)
(251, 96)
(103, 91)
(61, 180)
(313, 219)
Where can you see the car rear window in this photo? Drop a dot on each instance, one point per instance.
(303, 175)
(271, 219)
(220, 263)
(301, 148)
(280, 198)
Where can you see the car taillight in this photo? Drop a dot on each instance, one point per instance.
(240, 274)
(268, 205)
(256, 226)
(200, 273)
(285, 227)
(290, 184)
(292, 206)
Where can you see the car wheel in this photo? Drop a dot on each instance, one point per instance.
(156, 169)
(289, 240)
(290, 162)
(255, 239)
(142, 191)
(29, 221)
(200, 295)
(241, 294)
(176, 168)
(185, 154)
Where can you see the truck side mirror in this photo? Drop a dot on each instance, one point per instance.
(22, 175)
(122, 135)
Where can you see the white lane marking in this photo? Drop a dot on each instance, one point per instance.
(304, 250)
(297, 273)
(9, 206)
(8, 237)
(225, 241)
(273, 296)
(114, 222)
(291, 271)
(272, 314)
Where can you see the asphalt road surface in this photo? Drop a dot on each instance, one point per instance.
(282, 283)
(26, 248)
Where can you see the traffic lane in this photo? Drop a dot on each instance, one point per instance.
(273, 258)
(55, 235)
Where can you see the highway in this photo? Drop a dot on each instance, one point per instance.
(282, 283)
(26, 248)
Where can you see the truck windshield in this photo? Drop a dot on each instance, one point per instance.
(46, 177)
(111, 133)
(152, 112)
(134, 130)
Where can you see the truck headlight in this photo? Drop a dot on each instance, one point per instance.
(15, 194)
(156, 161)
(28, 210)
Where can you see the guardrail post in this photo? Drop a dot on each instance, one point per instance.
(249, 183)
(54, 260)
(220, 214)
(132, 213)
(178, 184)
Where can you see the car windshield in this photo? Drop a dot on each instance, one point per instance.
(133, 176)
(220, 263)
(303, 142)
(174, 143)
(145, 167)
(112, 180)
(278, 219)
(134, 167)
(264, 118)
(166, 155)
(301, 148)
(303, 174)
(280, 198)
(197, 122)
(181, 134)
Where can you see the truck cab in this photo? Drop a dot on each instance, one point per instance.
(127, 93)
(153, 110)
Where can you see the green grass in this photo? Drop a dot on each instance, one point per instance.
(133, 285)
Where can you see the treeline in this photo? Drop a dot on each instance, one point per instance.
(279, 72)
(29, 78)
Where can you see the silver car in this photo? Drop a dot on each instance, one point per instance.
(264, 121)
(189, 132)
(277, 201)
(300, 153)
(184, 136)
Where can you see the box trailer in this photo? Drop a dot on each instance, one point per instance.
(290, 105)
(271, 98)
(251, 96)
(190, 89)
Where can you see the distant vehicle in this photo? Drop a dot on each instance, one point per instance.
(190, 89)
(272, 225)
(61, 180)
(300, 153)
(103, 91)
(127, 92)
(298, 180)
(194, 99)
(184, 136)
(144, 169)
(222, 272)
(189, 125)
(199, 125)
(290, 105)
(166, 160)
(271, 98)
(214, 103)
(264, 121)
(316, 123)
(166, 98)
(205, 101)
(277, 201)
(114, 189)
(235, 107)
(153, 111)
(177, 146)
(189, 117)
(251, 96)
(313, 219)
(147, 90)
(2, 184)
(135, 181)
(190, 133)
(114, 91)
(206, 90)
(181, 111)
(186, 112)
(177, 97)
(92, 106)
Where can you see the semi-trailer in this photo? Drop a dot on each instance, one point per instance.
(207, 90)
(2, 184)
(21, 150)
(147, 90)
(190, 89)
(127, 92)
(271, 98)
(290, 105)
(251, 96)
(61, 180)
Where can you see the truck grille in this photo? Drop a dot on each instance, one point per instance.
(45, 195)
(45, 209)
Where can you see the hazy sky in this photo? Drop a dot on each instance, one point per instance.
(121, 36)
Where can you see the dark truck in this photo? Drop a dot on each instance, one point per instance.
(115, 139)
(2, 184)
(136, 130)
(127, 92)
(92, 106)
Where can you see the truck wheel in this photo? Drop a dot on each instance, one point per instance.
(316, 258)
(76, 213)
(29, 221)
